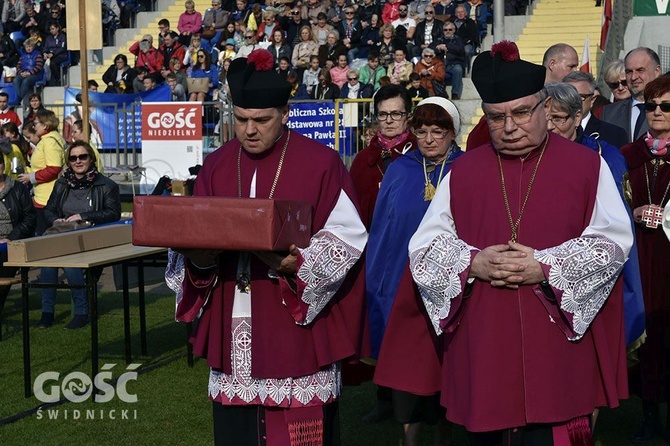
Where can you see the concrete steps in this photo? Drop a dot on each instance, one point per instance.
(147, 23)
(550, 22)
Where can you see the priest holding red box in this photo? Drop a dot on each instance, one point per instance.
(274, 331)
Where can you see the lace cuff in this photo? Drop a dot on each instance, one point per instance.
(437, 270)
(584, 271)
(174, 275)
(327, 260)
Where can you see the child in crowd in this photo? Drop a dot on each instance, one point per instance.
(228, 51)
(339, 72)
(415, 89)
(372, 72)
(138, 82)
(191, 56)
(311, 75)
(35, 34)
(149, 83)
(177, 91)
(284, 66)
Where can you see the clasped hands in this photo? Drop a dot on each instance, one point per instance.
(508, 266)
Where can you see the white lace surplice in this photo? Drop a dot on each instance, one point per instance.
(582, 270)
(331, 253)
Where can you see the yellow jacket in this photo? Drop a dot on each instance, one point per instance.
(48, 157)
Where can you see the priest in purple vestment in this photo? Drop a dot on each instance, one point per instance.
(274, 330)
(517, 261)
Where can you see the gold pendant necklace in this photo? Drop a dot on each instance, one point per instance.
(514, 225)
(279, 166)
(429, 189)
(243, 277)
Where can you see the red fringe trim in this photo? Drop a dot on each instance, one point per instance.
(579, 430)
(306, 433)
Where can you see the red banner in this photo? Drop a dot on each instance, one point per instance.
(171, 122)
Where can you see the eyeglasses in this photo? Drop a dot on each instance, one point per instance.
(201, 56)
(558, 120)
(74, 158)
(429, 12)
(353, 78)
(295, 13)
(519, 117)
(615, 85)
(585, 96)
(248, 37)
(450, 29)
(436, 134)
(428, 56)
(394, 115)
(349, 12)
(651, 107)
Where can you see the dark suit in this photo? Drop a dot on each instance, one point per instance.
(420, 33)
(619, 114)
(610, 133)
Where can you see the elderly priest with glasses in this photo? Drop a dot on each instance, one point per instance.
(274, 333)
(517, 261)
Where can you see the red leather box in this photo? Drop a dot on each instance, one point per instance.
(249, 224)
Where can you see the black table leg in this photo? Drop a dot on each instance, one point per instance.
(126, 312)
(26, 332)
(91, 291)
(143, 313)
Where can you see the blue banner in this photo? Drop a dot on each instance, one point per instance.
(117, 121)
(316, 120)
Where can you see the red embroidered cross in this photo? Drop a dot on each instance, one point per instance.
(652, 216)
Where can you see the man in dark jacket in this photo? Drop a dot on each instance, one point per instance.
(292, 25)
(585, 85)
(8, 54)
(451, 49)
(466, 29)
(427, 31)
(350, 28)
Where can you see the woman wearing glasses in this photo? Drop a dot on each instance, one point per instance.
(81, 195)
(615, 78)
(648, 163)
(204, 69)
(401, 333)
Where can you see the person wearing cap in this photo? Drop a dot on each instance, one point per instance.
(517, 261)
(400, 332)
(274, 357)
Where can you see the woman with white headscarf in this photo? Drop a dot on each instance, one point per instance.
(401, 333)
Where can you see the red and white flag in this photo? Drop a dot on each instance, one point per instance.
(584, 66)
(605, 25)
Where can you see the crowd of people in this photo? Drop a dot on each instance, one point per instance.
(503, 285)
(391, 40)
(52, 183)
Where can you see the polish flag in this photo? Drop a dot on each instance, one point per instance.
(605, 25)
(585, 57)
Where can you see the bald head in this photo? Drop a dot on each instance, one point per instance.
(560, 60)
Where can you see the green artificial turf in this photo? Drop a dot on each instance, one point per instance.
(172, 406)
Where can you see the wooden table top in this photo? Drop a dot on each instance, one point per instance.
(90, 259)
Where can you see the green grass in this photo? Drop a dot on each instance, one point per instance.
(172, 406)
